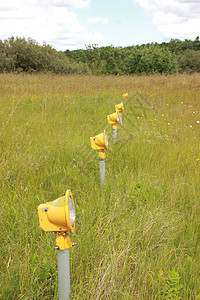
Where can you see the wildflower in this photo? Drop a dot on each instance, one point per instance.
(169, 139)
(198, 122)
(190, 126)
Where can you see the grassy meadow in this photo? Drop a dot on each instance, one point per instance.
(139, 237)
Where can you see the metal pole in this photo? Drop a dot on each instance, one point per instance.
(120, 117)
(102, 170)
(63, 274)
(114, 135)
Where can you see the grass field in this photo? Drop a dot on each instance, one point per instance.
(139, 238)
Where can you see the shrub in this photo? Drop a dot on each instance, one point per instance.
(189, 61)
(20, 55)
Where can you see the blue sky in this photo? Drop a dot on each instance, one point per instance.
(124, 23)
(72, 24)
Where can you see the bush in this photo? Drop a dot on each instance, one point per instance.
(189, 61)
(19, 55)
(151, 60)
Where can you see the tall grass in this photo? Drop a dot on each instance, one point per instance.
(136, 239)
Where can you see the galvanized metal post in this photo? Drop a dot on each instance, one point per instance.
(114, 135)
(102, 170)
(120, 117)
(63, 274)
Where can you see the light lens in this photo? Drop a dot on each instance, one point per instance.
(118, 118)
(106, 140)
(71, 211)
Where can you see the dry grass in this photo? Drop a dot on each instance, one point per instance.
(139, 239)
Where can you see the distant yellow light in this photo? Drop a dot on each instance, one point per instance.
(113, 118)
(100, 141)
(119, 107)
(125, 96)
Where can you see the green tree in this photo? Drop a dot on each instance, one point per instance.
(152, 59)
(21, 55)
(189, 61)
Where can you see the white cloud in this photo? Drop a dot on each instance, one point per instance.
(46, 22)
(174, 18)
(189, 1)
(100, 21)
(13, 4)
(71, 3)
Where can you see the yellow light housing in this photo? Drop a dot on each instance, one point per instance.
(100, 141)
(119, 107)
(58, 215)
(113, 118)
(125, 96)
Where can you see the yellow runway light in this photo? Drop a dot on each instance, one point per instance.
(100, 141)
(58, 215)
(119, 107)
(113, 118)
(125, 96)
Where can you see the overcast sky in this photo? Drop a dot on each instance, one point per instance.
(72, 24)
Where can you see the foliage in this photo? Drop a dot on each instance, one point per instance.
(177, 46)
(19, 55)
(189, 61)
(144, 59)
(151, 60)
(169, 285)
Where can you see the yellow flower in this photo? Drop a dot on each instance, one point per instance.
(169, 139)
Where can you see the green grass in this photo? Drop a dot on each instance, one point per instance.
(136, 239)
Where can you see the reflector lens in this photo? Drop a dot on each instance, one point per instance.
(71, 211)
(118, 116)
(106, 140)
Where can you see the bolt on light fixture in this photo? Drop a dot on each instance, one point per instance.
(119, 107)
(59, 216)
(114, 119)
(100, 142)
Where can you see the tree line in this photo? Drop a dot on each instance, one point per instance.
(21, 55)
(172, 57)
